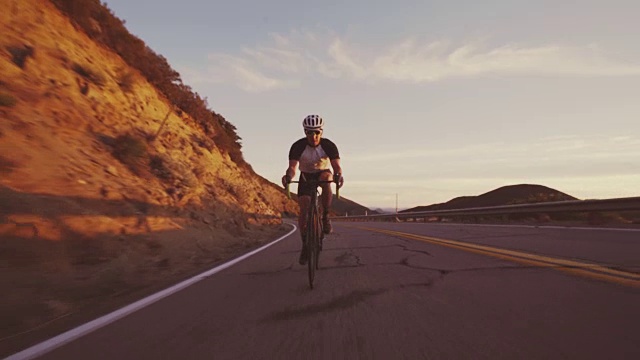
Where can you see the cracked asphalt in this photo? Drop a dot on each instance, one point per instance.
(379, 296)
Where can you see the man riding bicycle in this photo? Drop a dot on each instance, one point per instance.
(315, 155)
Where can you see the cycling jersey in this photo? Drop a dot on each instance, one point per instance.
(314, 159)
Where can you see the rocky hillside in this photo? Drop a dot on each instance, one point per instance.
(106, 186)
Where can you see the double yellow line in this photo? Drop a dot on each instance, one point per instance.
(584, 269)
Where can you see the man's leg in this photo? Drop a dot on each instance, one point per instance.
(327, 197)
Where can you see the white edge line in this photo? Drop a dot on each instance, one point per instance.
(66, 337)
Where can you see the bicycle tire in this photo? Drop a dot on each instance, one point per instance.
(319, 235)
(311, 263)
(312, 241)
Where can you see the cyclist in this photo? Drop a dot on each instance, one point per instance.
(316, 156)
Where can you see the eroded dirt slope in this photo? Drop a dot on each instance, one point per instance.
(94, 206)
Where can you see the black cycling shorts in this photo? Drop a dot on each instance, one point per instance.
(306, 189)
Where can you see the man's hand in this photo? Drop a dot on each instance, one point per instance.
(339, 180)
(285, 180)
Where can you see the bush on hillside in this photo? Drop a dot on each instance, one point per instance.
(156, 163)
(175, 173)
(131, 151)
(125, 81)
(89, 74)
(20, 54)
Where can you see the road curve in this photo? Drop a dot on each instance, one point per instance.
(401, 291)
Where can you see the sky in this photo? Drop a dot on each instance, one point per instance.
(426, 100)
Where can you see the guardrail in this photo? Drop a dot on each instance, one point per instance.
(571, 206)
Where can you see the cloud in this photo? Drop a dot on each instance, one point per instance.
(415, 62)
(548, 158)
(560, 148)
(243, 73)
(287, 60)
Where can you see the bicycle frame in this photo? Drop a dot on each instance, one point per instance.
(314, 232)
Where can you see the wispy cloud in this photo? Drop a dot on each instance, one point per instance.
(559, 149)
(415, 62)
(287, 60)
(243, 72)
(547, 161)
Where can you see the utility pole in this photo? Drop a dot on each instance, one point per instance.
(396, 203)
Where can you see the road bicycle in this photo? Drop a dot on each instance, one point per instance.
(314, 232)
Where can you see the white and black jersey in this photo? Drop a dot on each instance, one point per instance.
(314, 159)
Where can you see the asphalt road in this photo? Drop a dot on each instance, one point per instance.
(401, 291)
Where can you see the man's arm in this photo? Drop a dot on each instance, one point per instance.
(337, 170)
(290, 172)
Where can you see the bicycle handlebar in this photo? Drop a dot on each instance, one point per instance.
(312, 182)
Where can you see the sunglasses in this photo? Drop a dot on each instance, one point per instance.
(313, 132)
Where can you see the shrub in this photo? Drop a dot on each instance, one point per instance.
(158, 168)
(7, 100)
(87, 73)
(203, 142)
(19, 54)
(131, 151)
(172, 171)
(125, 81)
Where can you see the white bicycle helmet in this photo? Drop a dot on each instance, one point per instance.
(313, 122)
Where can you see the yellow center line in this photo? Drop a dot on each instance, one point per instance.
(570, 266)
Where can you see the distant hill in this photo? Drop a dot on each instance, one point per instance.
(344, 206)
(382, 211)
(506, 195)
(341, 207)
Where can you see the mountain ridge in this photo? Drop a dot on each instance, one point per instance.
(504, 195)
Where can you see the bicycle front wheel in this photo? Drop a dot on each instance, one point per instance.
(312, 263)
(312, 244)
(319, 236)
